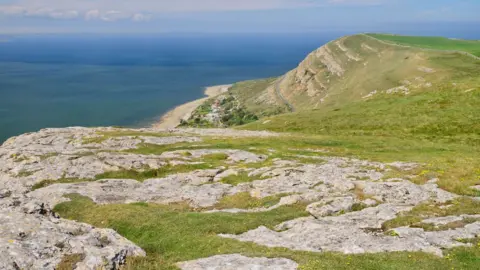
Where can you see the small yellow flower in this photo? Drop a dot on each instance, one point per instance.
(11, 241)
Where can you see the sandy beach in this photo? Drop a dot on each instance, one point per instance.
(172, 118)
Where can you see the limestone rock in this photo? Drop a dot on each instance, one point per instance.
(238, 262)
(331, 206)
(355, 233)
(38, 240)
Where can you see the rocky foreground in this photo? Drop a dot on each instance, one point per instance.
(348, 199)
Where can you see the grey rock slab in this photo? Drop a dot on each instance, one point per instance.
(233, 155)
(195, 187)
(440, 239)
(238, 262)
(405, 192)
(355, 232)
(331, 206)
(333, 176)
(34, 241)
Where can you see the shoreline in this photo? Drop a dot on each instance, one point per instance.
(172, 118)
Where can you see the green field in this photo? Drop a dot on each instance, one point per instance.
(436, 43)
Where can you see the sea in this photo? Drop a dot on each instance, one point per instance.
(130, 80)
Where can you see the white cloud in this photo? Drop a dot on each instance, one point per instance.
(113, 15)
(92, 14)
(357, 2)
(139, 17)
(12, 10)
(143, 10)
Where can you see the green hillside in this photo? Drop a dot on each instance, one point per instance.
(361, 67)
(437, 43)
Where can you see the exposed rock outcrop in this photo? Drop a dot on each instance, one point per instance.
(348, 199)
(238, 262)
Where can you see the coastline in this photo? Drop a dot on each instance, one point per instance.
(172, 118)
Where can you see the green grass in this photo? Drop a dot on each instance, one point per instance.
(155, 173)
(241, 177)
(449, 226)
(245, 201)
(171, 234)
(437, 43)
(48, 182)
(69, 261)
(443, 113)
(249, 93)
(105, 135)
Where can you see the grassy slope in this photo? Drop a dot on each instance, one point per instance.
(255, 97)
(437, 43)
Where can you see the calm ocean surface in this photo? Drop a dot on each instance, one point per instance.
(105, 80)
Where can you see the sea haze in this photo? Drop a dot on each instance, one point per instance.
(129, 80)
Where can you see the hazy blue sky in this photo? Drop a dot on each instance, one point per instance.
(230, 15)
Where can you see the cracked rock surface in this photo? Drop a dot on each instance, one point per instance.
(33, 237)
(348, 199)
(238, 262)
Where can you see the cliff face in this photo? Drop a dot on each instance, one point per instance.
(359, 67)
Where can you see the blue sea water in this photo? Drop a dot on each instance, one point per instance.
(129, 80)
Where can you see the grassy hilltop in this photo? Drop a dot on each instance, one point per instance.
(435, 43)
(361, 96)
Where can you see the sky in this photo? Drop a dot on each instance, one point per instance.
(231, 16)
